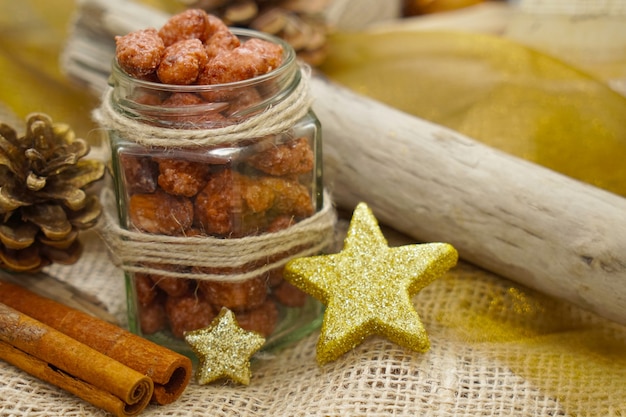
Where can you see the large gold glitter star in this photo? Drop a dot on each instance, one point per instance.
(224, 349)
(368, 286)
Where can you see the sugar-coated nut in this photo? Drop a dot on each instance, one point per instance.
(256, 197)
(280, 223)
(182, 99)
(145, 289)
(294, 157)
(195, 114)
(220, 41)
(182, 62)
(289, 295)
(256, 201)
(152, 318)
(147, 99)
(273, 277)
(189, 24)
(270, 55)
(160, 213)
(215, 26)
(289, 197)
(214, 205)
(261, 320)
(252, 58)
(182, 177)
(220, 210)
(139, 53)
(242, 99)
(140, 173)
(188, 312)
(235, 295)
(218, 203)
(172, 286)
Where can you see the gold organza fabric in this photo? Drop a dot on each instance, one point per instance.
(494, 90)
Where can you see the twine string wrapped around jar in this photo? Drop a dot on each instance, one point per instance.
(137, 252)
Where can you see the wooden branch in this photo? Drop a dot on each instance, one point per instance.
(507, 215)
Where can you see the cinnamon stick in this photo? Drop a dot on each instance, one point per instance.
(62, 361)
(169, 371)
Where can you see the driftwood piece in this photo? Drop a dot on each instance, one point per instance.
(515, 218)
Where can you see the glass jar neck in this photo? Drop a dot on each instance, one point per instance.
(205, 106)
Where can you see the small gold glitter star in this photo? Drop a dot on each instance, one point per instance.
(224, 349)
(368, 286)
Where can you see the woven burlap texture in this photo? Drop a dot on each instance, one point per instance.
(498, 349)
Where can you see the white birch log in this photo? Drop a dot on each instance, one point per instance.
(515, 218)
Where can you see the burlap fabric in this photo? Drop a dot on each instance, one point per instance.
(498, 349)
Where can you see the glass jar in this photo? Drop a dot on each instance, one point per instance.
(246, 187)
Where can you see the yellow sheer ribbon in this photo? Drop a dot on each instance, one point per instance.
(496, 91)
(570, 355)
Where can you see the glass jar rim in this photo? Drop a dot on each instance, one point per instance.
(285, 68)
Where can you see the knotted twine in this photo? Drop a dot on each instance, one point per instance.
(139, 252)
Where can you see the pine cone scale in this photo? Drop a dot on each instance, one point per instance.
(64, 243)
(82, 174)
(88, 216)
(50, 218)
(9, 201)
(35, 182)
(10, 157)
(24, 260)
(18, 236)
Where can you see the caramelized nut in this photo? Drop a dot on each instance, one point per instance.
(261, 319)
(291, 158)
(188, 312)
(235, 295)
(152, 318)
(160, 213)
(139, 53)
(182, 62)
(189, 24)
(182, 177)
(140, 173)
(288, 295)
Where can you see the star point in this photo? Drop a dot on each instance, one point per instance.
(367, 287)
(224, 349)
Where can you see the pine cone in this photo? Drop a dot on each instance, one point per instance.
(299, 22)
(43, 204)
